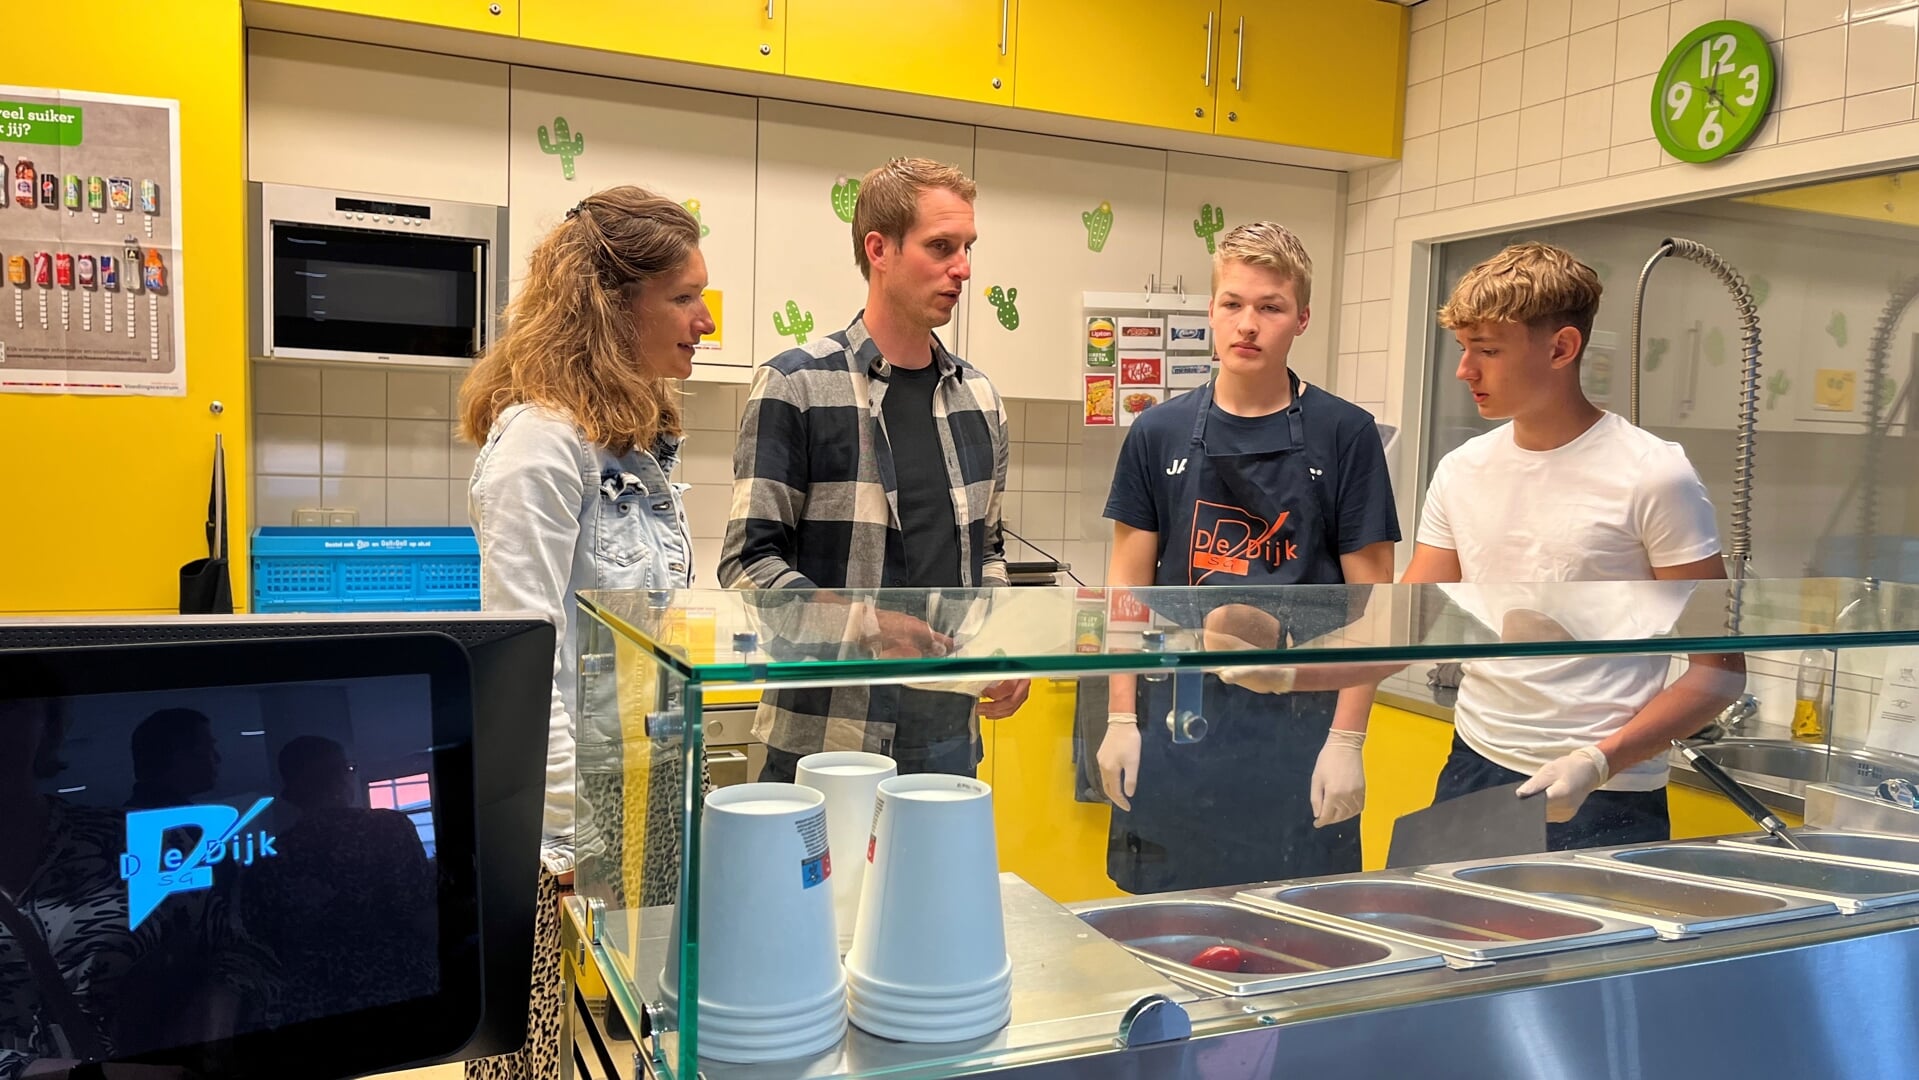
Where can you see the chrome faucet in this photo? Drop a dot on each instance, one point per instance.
(1731, 721)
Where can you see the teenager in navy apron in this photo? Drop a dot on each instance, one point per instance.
(1235, 807)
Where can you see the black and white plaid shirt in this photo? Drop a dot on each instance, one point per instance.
(815, 505)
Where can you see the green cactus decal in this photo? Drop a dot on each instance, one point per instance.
(796, 325)
(693, 207)
(846, 195)
(1002, 301)
(1760, 289)
(564, 143)
(1656, 352)
(1208, 224)
(1099, 225)
(1715, 346)
(1777, 387)
(1836, 328)
(1887, 385)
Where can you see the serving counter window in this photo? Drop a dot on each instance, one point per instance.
(938, 893)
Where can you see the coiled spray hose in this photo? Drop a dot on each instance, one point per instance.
(1741, 546)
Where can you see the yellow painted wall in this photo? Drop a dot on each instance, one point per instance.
(105, 497)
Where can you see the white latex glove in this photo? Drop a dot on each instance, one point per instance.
(1119, 763)
(1567, 781)
(1339, 778)
(1260, 678)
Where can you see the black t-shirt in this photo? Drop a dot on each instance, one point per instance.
(927, 526)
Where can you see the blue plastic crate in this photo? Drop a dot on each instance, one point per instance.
(348, 570)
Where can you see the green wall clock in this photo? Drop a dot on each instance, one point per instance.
(1713, 92)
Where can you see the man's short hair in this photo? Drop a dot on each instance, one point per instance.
(1273, 246)
(1537, 284)
(162, 735)
(889, 200)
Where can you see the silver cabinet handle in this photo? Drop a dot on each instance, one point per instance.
(1239, 53)
(1206, 75)
(1004, 6)
(725, 757)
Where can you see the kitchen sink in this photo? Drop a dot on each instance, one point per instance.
(1465, 924)
(1271, 952)
(1851, 887)
(1809, 763)
(1676, 907)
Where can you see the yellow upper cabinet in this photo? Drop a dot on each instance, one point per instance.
(1323, 73)
(960, 49)
(1135, 61)
(487, 16)
(749, 34)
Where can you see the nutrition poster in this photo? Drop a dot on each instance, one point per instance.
(89, 234)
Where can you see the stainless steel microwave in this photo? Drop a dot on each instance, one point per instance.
(347, 275)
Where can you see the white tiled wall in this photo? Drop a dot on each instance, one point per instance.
(1514, 97)
(1043, 483)
(377, 441)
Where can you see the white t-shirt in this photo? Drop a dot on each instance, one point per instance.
(1609, 506)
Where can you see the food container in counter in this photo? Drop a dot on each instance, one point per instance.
(1469, 926)
(1237, 950)
(1851, 887)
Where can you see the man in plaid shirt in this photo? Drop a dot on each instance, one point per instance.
(873, 458)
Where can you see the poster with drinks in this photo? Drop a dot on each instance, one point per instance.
(90, 236)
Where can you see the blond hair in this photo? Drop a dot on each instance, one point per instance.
(889, 200)
(1537, 284)
(1273, 246)
(570, 342)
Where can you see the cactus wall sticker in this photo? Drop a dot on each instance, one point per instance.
(1777, 386)
(1760, 289)
(1836, 328)
(1715, 347)
(1656, 352)
(1208, 224)
(564, 143)
(846, 195)
(1099, 225)
(693, 207)
(1002, 301)
(796, 324)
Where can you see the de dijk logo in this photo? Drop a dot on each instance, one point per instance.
(155, 869)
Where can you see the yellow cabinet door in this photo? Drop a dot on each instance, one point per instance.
(962, 49)
(749, 34)
(487, 16)
(1322, 73)
(1135, 61)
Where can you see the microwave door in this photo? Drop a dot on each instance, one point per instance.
(371, 295)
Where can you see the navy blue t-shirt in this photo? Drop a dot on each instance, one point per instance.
(1359, 496)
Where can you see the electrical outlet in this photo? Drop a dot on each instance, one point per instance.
(309, 516)
(347, 516)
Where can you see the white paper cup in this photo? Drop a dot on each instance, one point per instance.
(930, 923)
(771, 986)
(998, 990)
(850, 780)
(907, 1025)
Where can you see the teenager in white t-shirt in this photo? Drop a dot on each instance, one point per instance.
(1564, 492)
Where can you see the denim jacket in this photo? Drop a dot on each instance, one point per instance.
(556, 514)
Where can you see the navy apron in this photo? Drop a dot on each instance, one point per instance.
(1236, 807)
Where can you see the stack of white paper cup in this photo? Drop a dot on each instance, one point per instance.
(850, 780)
(928, 962)
(771, 986)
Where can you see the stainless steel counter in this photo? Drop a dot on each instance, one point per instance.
(1808, 997)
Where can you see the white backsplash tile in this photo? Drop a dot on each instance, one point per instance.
(1543, 77)
(417, 448)
(1542, 130)
(1768, 16)
(353, 446)
(366, 495)
(1812, 68)
(353, 391)
(1505, 28)
(1422, 108)
(1498, 149)
(1465, 40)
(1882, 53)
(1420, 160)
(286, 389)
(275, 498)
(1499, 85)
(287, 445)
(1546, 20)
(1643, 43)
(1589, 61)
(1045, 468)
(1046, 421)
(418, 395)
(416, 501)
(1459, 98)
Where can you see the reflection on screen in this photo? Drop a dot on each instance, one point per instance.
(182, 865)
